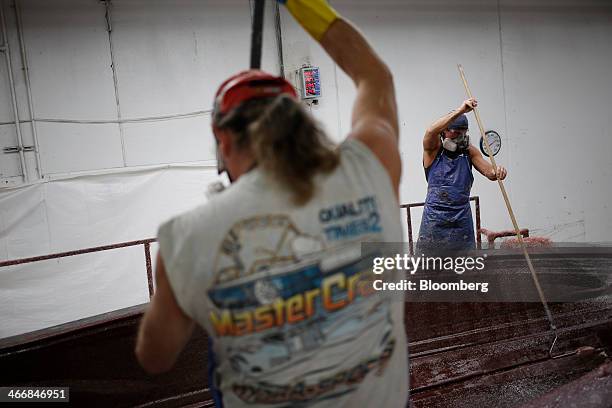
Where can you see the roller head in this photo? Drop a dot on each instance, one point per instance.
(585, 351)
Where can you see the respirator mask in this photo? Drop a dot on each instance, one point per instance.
(461, 141)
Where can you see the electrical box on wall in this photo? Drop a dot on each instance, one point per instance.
(311, 82)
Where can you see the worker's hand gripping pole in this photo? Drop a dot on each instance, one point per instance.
(315, 16)
(517, 230)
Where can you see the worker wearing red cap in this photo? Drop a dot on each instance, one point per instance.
(272, 267)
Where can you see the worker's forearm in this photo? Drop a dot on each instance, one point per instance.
(350, 50)
(442, 123)
(148, 349)
(488, 172)
(161, 337)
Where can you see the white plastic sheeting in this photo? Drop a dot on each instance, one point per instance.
(169, 58)
(81, 212)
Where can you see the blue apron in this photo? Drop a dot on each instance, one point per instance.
(447, 217)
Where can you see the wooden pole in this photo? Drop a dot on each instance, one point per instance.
(517, 230)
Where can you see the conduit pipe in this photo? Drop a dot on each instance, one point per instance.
(26, 72)
(9, 67)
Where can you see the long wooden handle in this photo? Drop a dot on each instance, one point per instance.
(517, 230)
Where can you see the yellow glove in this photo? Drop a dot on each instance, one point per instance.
(314, 15)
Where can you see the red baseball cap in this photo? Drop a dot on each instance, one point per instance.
(247, 85)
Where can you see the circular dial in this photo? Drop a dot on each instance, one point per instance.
(494, 140)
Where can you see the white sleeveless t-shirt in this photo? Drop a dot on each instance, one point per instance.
(274, 287)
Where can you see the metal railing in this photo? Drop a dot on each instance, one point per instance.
(146, 243)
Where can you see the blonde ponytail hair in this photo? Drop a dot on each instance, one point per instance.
(286, 141)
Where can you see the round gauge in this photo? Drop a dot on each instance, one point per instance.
(494, 140)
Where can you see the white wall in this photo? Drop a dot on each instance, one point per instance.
(540, 70)
(169, 57)
(557, 61)
(107, 181)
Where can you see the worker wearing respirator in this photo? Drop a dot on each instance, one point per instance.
(448, 158)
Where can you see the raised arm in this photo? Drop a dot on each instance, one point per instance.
(374, 118)
(431, 140)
